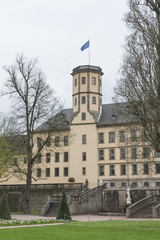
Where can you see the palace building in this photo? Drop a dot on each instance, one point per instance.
(96, 144)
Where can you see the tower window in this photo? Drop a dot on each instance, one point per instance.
(75, 102)
(83, 80)
(84, 156)
(75, 83)
(38, 172)
(93, 80)
(83, 100)
(83, 171)
(83, 116)
(93, 100)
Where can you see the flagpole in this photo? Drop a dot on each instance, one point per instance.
(89, 50)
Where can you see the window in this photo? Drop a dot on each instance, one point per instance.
(75, 101)
(122, 136)
(112, 184)
(101, 170)
(65, 156)
(38, 172)
(47, 172)
(100, 82)
(134, 184)
(25, 160)
(101, 154)
(83, 139)
(57, 140)
(122, 153)
(39, 158)
(157, 184)
(111, 154)
(134, 169)
(123, 169)
(15, 162)
(84, 156)
(57, 157)
(145, 168)
(83, 116)
(134, 153)
(123, 184)
(146, 184)
(83, 80)
(93, 100)
(39, 142)
(48, 142)
(65, 172)
(157, 154)
(112, 170)
(75, 82)
(83, 100)
(83, 171)
(145, 152)
(133, 135)
(93, 80)
(101, 137)
(48, 157)
(157, 168)
(111, 137)
(56, 172)
(65, 140)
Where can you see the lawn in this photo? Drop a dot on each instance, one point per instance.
(110, 230)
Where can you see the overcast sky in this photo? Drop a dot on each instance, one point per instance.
(53, 31)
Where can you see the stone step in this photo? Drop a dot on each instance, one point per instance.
(53, 210)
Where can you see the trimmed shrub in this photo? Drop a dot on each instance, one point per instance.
(63, 212)
(4, 209)
(71, 179)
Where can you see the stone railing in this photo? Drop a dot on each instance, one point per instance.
(45, 208)
(42, 186)
(155, 211)
(86, 194)
(136, 206)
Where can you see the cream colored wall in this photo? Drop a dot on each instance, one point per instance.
(91, 151)
(117, 162)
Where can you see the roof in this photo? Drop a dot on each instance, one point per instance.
(110, 116)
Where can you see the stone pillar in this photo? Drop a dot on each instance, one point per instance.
(154, 212)
(128, 212)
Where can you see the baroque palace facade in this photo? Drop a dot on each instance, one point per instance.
(97, 144)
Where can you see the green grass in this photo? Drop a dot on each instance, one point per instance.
(106, 230)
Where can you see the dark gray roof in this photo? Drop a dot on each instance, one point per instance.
(112, 114)
(61, 121)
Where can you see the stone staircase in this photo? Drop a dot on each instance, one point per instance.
(145, 208)
(53, 209)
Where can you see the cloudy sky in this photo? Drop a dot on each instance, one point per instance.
(53, 31)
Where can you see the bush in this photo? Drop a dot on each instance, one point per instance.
(71, 179)
(63, 212)
(4, 209)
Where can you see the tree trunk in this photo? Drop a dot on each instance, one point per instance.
(28, 189)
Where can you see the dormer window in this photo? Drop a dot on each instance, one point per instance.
(113, 117)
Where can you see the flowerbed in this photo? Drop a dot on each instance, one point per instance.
(26, 222)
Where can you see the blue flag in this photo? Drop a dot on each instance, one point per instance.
(86, 45)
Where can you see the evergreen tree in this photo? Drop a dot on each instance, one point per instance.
(4, 208)
(63, 212)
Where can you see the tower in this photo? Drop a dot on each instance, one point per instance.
(87, 94)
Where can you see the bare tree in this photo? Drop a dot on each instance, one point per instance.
(33, 104)
(139, 85)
